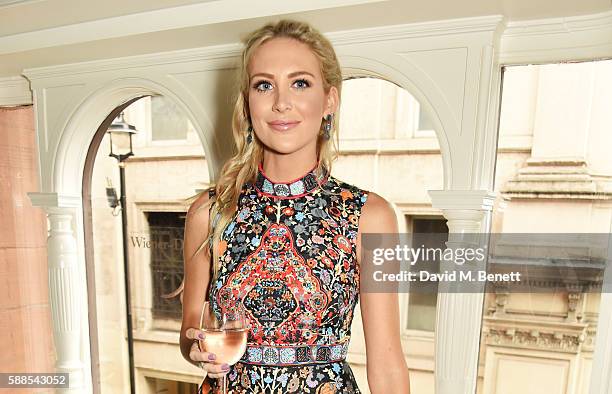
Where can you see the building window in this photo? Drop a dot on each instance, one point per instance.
(166, 232)
(422, 304)
(168, 121)
(425, 123)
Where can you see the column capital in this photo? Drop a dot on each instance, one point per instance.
(479, 200)
(53, 201)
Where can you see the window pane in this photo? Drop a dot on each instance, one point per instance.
(425, 122)
(166, 235)
(168, 122)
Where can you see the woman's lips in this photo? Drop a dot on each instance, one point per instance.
(283, 126)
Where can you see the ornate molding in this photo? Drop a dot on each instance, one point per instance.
(575, 306)
(589, 341)
(534, 340)
(538, 335)
(498, 306)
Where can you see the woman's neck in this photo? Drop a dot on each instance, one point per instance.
(287, 168)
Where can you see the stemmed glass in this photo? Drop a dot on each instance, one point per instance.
(225, 334)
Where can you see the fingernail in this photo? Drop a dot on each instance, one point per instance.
(211, 356)
(201, 335)
(225, 367)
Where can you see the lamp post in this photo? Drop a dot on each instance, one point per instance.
(121, 132)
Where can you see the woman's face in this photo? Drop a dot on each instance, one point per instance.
(286, 98)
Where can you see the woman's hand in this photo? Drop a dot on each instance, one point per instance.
(206, 360)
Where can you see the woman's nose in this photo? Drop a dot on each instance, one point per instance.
(282, 101)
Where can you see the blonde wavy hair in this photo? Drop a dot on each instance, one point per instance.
(243, 165)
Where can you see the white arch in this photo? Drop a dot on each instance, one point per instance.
(416, 83)
(64, 165)
(90, 112)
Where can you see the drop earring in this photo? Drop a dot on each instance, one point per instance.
(328, 126)
(249, 137)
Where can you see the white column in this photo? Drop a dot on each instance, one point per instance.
(64, 296)
(65, 287)
(601, 375)
(459, 315)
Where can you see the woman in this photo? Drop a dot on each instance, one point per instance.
(276, 195)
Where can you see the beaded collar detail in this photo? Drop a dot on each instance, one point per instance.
(295, 188)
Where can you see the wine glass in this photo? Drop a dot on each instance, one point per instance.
(225, 334)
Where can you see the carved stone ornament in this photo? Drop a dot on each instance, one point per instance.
(559, 337)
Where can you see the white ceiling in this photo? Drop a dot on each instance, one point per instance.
(37, 33)
(42, 14)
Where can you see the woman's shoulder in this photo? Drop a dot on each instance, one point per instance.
(377, 214)
(198, 208)
(347, 188)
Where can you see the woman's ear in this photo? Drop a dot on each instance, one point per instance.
(332, 100)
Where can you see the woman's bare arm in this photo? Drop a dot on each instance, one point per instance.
(197, 277)
(386, 366)
(196, 271)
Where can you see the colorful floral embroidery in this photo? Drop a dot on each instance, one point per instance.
(292, 262)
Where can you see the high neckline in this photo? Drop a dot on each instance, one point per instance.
(298, 187)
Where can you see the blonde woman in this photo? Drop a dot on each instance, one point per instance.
(277, 213)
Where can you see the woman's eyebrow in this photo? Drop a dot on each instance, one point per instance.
(293, 74)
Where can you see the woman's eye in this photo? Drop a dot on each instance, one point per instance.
(263, 86)
(302, 83)
(266, 86)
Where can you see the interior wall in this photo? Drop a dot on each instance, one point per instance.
(25, 314)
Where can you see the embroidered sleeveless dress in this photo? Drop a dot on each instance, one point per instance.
(290, 255)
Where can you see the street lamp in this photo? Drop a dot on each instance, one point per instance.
(120, 134)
